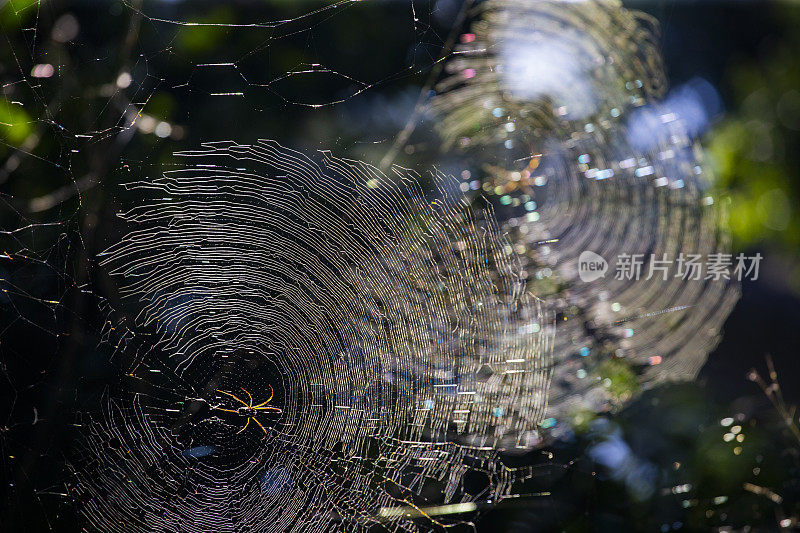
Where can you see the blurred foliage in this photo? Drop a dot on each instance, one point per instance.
(161, 105)
(754, 149)
(673, 460)
(15, 123)
(676, 429)
(13, 13)
(622, 382)
(202, 36)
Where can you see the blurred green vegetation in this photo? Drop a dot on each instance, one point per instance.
(755, 148)
(15, 123)
(676, 428)
(622, 382)
(161, 105)
(201, 36)
(13, 13)
(676, 460)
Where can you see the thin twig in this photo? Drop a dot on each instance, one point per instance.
(772, 391)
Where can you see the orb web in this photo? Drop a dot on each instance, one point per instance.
(310, 344)
(562, 112)
(385, 322)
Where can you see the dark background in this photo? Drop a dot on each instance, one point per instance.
(67, 151)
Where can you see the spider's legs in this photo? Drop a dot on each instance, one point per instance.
(245, 426)
(268, 408)
(271, 394)
(251, 397)
(234, 397)
(262, 427)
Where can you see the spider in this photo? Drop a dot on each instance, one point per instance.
(249, 410)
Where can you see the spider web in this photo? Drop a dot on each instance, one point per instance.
(386, 322)
(162, 269)
(366, 434)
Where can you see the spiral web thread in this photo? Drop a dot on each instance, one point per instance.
(561, 108)
(390, 323)
(394, 326)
